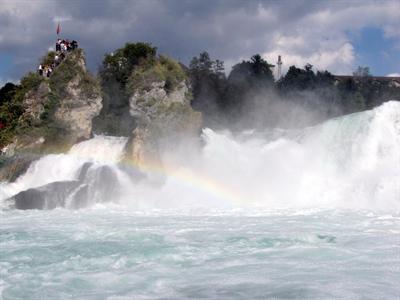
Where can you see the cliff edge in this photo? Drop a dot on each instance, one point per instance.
(55, 113)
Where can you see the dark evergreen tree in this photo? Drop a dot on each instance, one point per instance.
(247, 79)
(208, 85)
(298, 79)
(7, 92)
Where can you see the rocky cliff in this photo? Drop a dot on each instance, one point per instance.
(56, 113)
(139, 95)
(160, 103)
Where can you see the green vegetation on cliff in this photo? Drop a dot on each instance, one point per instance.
(162, 69)
(11, 105)
(30, 112)
(118, 66)
(134, 68)
(71, 67)
(115, 71)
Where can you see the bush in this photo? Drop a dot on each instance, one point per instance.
(31, 82)
(11, 111)
(7, 92)
(119, 65)
(173, 72)
(163, 69)
(63, 74)
(48, 59)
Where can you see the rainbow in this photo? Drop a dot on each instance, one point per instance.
(192, 179)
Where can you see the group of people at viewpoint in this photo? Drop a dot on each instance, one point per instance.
(62, 47)
(66, 45)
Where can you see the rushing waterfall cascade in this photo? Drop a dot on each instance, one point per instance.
(205, 223)
(349, 162)
(87, 174)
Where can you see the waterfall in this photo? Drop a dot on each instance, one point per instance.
(349, 162)
(87, 174)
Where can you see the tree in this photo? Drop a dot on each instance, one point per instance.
(247, 79)
(219, 68)
(7, 92)
(298, 79)
(256, 71)
(208, 84)
(12, 109)
(324, 78)
(118, 66)
(308, 67)
(116, 69)
(362, 72)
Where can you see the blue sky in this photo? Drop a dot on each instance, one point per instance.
(6, 64)
(334, 35)
(372, 49)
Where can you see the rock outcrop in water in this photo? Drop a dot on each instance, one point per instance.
(49, 196)
(56, 113)
(163, 113)
(139, 95)
(147, 98)
(94, 184)
(71, 99)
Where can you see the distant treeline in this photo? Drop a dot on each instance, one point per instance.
(231, 97)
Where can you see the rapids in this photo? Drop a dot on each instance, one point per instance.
(113, 253)
(305, 214)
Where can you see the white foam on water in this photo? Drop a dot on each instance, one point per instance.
(100, 150)
(103, 253)
(106, 149)
(348, 162)
(216, 231)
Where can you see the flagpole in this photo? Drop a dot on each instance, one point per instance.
(58, 30)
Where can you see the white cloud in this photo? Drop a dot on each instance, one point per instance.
(339, 60)
(315, 32)
(393, 75)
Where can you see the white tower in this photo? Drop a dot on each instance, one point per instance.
(279, 63)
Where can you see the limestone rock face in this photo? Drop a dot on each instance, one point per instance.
(78, 109)
(14, 166)
(34, 102)
(165, 119)
(16, 157)
(65, 104)
(142, 102)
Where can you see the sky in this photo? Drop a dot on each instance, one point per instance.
(334, 35)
